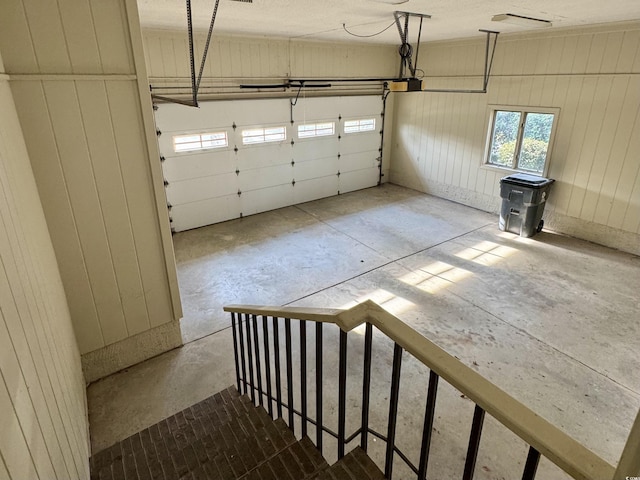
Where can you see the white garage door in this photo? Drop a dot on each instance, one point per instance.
(229, 159)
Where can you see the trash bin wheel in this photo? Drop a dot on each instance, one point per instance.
(540, 225)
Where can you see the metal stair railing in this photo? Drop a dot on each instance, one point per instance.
(543, 438)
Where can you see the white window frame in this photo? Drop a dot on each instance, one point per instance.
(200, 140)
(492, 109)
(359, 125)
(316, 132)
(264, 135)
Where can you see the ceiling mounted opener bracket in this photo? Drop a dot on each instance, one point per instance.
(195, 81)
(406, 50)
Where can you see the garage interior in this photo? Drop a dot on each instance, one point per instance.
(333, 168)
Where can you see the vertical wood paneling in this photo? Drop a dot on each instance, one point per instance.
(42, 399)
(51, 185)
(82, 45)
(14, 29)
(137, 184)
(98, 195)
(109, 21)
(585, 73)
(112, 197)
(68, 127)
(48, 36)
(238, 57)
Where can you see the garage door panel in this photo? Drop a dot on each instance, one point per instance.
(358, 179)
(304, 150)
(205, 212)
(203, 187)
(264, 156)
(315, 188)
(198, 165)
(358, 161)
(320, 167)
(257, 178)
(265, 199)
(359, 142)
(187, 191)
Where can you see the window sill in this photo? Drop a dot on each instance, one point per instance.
(508, 171)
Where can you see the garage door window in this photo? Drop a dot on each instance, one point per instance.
(254, 136)
(310, 130)
(199, 141)
(360, 125)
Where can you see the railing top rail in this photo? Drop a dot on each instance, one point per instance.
(568, 454)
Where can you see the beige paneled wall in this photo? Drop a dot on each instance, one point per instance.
(76, 86)
(591, 74)
(43, 419)
(232, 60)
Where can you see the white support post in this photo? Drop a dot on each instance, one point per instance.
(629, 464)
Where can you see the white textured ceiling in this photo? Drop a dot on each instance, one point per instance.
(323, 19)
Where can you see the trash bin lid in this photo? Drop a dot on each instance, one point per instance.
(527, 180)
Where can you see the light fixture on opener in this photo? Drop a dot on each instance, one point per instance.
(521, 20)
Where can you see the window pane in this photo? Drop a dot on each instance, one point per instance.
(191, 142)
(505, 135)
(535, 141)
(362, 125)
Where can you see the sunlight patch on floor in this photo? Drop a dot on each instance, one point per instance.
(486, 253)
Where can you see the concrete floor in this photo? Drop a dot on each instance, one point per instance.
(552, 320)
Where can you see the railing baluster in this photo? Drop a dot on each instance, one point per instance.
(474, 443)
(276, 357)
(250, 358)
(235, 350)
(256, 345)
(267, 363)
(531, 466)
(287, 333)
(303, 376)
(428, 425)
(366, 386)
(319, 354)
(242, 360)
(342, 393)
(393, 410)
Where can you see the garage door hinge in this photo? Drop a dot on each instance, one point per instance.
(339, 137)
(293, 182)
(158, 132)
(239, 193)
(155, 107)
(237, 172)
(234, 126)
(338, 155)
(162, 159)
(169, 206)
(339, 117)
(338, 173)
(235, 148)
(166, 184)
(292, 163)
(292, 142)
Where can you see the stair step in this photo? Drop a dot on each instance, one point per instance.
(356, 465)
(224, 437)
(230, 460)
(299, 461)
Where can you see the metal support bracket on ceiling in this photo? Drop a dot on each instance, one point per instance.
(489, 52)
(406, 50)
(195, 81)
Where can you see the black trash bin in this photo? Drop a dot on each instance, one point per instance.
(523, 199)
